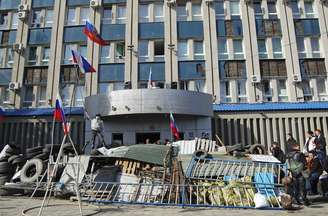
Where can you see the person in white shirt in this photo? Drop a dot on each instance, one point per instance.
(97, 126)
(310, 142)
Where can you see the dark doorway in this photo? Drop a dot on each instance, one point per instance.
(117, 139)
(142, 137)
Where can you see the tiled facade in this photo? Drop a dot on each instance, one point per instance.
(243, 51)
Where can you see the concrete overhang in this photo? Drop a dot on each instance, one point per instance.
(150, 101)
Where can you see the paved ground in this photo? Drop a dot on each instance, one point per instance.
(12, 206)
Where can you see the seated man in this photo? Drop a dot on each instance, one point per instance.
(315, 170)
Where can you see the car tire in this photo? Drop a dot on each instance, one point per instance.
(34, 150)
(32, 170)
(12, 158)
(4, 167)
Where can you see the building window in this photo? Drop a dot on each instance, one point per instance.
(119, 51)
(267, 90)
(4, 20)
(105, 54)
(144, 13)
(234, 8)
(196, 12)
(261, 43)
(242, 94)
(238, 49)
(121, 14)
(272, 10)
(219, 9)
(222, 48)
(10, 57)
(295, 8)
(32, 56)
(301, 47)
(182, 13)
(2, 56)
(199, 50)
(315, 47)
(71, 16)
(307, 90)
(107, 16)
(84, 15)
(226, 92)
(107, 87)
(308, 9)
(49, 18)
(143, 50)
(159, 50)
(14, 21)
(159, 12)
(282, 91)
(35, 82)
(276, 48)
(45, 55)
(36, 19)
(322, 89)
(183, 50)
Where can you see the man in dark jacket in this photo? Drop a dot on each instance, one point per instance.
(290, 142)
(297, 165)
(321, 141)
(277, 152)
(315, 171)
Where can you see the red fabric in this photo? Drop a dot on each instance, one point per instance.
(94, 37)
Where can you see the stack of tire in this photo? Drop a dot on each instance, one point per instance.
(9, 163)
(37, 158)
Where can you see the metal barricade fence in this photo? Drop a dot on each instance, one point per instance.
(201, 194)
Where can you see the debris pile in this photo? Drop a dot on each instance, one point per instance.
(196, 173)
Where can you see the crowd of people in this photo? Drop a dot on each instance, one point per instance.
(306, 167)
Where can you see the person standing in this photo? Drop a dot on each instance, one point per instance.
(290, 142)
(297, 166)
(315, 170)
(310, 142)
(97, 128)
(321, 141)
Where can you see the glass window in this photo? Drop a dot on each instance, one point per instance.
(198, 50)
(196, 12)
(159, 12)
(222, 47)
(219, 9)
(36, 19)
(261, 43)
(121, 14)
(282, 91)
(79, 96)
(182, 13)
(83, 49)
(272, 10)
(307, 90)
(107, 16)
(159, 50)
(144, 13)
(70, 19)
(276, 48)
(257, 8)
(120, 50)
(234, 8)
(46, 55)
(49, 18)
(42, 96)
(321, 85)
(32, 57)
(315, 46)
(143, 50)
(183, 49)
(29, 95)
(4, 20)
(84, 15)
(105, 54)
(242, 95)
(68, 53)
(226, 92)
(14, 21)
(238, 49)
(2, 56)
(267, 90)
(10, 56)
(295, 8)
(301, 47)
(308, 7)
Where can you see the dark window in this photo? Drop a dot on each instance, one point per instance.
(159, 48)
(232, 69)
(70, 74)
(5, 37)
(268, 27)
(36, 76)
(273, 68)
(313, 67)
(307, 27)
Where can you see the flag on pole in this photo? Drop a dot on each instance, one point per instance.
(59, 114)
(2, 114)
(150, 83)
(83, 64)
(91, 32)
(174, 128)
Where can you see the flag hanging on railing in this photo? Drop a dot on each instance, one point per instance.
(83, 64)
(59, 114)
(91, 32)
(174, 128)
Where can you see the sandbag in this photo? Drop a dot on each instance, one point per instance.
(260, 201)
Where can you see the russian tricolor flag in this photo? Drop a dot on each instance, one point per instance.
(174, 128)
(91, 32)
(83, 64)
(59, 114)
